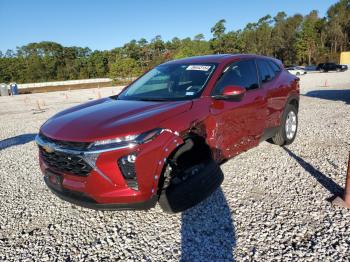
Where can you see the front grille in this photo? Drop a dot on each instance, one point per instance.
(66, 144)
(67, 163)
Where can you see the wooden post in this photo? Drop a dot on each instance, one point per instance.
(347, 185)
(345, 200)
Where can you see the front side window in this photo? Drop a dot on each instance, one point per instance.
(170, 82)
(242, 73)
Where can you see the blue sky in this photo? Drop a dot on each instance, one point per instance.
(105, 24)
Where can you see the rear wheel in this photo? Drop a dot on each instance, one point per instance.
(288, 129)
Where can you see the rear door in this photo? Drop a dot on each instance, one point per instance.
(270, 81)
(239, 125)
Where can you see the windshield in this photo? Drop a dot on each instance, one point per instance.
(170, 82)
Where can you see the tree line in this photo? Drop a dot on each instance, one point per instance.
(295, 39)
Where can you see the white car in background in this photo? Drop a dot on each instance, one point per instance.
(296, 70)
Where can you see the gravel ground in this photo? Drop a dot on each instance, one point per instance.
(272, 205)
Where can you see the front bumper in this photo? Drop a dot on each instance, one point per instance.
(105, 187)
(81, 199)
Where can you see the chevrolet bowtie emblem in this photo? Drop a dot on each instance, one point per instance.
(48, 148)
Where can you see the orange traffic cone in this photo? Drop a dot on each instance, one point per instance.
(345, 200)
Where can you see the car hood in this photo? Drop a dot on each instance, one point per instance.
(109, 118)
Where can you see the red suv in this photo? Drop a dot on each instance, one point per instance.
(164, 136)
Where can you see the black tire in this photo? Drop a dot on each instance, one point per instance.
(280, 137)
(179, 197)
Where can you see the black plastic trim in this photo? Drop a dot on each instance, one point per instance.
(269, 133)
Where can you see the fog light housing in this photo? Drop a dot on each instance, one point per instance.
(127, 167)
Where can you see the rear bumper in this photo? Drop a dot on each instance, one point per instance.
(83, 200)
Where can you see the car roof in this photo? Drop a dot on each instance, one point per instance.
(217, 58)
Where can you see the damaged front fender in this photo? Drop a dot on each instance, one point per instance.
(154, 156)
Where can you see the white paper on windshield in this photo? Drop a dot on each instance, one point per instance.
(189, 93)
(198, 67)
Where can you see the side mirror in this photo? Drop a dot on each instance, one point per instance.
(232, 93)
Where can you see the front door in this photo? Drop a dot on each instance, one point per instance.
(239, 125)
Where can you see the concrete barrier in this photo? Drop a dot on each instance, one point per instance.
(63, 83)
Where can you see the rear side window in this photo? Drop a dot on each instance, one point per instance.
(265, 71)
(242, 73)
(274, 67)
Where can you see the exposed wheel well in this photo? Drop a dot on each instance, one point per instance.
(295, 103)
(196, 153)
(193, 152)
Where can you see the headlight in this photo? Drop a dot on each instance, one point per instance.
(118, 140)
(127, 141)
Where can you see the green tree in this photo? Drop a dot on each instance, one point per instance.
(218, 29)
(124, 68)
(198, 37)
(338, 26)
(293, 39)
(307, 42)
(192, 48)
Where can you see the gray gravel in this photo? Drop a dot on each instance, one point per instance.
(272, 205)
